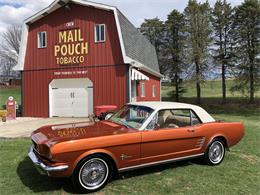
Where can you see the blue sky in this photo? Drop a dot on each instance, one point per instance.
(15, 11)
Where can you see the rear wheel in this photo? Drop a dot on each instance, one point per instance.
(92, 174)
(215, 152)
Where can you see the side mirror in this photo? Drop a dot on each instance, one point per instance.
(108, 116)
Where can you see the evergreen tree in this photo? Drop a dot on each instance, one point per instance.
(174, 50)
(246, 36)
(198, 32)
(222, 16)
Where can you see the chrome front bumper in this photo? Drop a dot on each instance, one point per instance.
(43, 168)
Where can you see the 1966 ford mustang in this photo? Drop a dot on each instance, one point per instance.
(139, 135)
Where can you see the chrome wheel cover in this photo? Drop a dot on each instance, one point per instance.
(216, 152)
(93, 173)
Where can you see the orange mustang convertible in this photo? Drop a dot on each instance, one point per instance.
(138, 135)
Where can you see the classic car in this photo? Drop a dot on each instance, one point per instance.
(140, 134)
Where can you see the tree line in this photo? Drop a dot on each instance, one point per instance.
(203, 39)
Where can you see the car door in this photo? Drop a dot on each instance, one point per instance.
(175, 137)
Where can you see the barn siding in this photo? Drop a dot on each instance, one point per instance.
(104, 62)
(84, 18)
(109, 87)
(148, 88)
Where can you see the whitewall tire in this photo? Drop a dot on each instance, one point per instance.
(215, 152)
(92, 174)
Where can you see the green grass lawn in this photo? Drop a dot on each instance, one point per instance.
(5, 93)
(208, 89)
(238, 174)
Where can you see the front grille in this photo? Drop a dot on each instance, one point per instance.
(40, 156)
(35, 147)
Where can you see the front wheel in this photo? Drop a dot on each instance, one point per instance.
(92, 174)
(215, 152)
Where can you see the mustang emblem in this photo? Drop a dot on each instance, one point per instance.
(123, 156)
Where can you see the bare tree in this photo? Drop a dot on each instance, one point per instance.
(9, 49)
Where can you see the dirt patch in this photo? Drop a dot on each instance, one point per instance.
(252, 159)
(23, 127)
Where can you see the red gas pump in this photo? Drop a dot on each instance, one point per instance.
(11, 109)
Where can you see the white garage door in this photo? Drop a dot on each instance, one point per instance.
(71, 98)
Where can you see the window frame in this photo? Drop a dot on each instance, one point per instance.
(39, 37)
(190, 110)
(129, 105)
(142, 89)
(154, 90)
(195, 114)
(100, 32)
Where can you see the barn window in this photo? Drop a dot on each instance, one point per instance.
(100, 33)
(143, 90)
(42, 39)
(154, 91)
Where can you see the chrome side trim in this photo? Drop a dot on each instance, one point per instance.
(159, 162)
(42, 168)
(200, 142)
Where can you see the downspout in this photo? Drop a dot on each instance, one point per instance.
(130, 83)
(160, 89)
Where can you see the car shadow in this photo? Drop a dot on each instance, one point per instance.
(156, 169)
(40, 183)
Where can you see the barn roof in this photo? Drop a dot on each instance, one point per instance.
(136, 49)
(137, 46)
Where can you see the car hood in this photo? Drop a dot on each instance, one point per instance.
(54, 134)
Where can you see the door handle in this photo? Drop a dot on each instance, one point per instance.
(191, 130)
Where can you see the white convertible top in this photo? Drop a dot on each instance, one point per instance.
(156, 105)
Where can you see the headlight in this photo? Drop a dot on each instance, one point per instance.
(45, 151)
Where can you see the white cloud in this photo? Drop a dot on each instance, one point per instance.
(15, 11)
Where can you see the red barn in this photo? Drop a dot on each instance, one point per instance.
(77, 54)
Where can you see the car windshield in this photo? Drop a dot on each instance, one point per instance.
(132, 116)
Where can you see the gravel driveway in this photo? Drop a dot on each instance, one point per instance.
(23, 126)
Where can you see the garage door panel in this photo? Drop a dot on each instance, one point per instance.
(62, 112)
(62, 105)
(70, 99)
(62, 93)
(80, 102)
